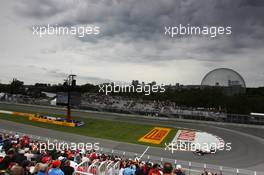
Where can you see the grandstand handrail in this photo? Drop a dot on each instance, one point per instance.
(103, 166)
(188, 170)
(116, 168)
(94, 164)
(111, 164)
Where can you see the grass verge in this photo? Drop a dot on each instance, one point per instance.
(98, 128)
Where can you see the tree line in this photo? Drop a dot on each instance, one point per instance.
(243, 103)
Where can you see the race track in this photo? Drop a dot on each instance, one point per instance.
(247, 148)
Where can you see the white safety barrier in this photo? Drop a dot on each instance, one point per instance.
(5, 112)
(102, 168)
(97, 168)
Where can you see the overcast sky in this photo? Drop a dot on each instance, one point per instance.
(131, 44)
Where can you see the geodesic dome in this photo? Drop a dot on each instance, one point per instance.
(223, 77)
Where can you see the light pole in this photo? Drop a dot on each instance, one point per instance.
(70, 82)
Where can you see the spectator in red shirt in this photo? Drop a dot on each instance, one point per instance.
(154, 170)
(92, 156)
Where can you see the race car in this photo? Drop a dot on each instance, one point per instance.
(201, 152)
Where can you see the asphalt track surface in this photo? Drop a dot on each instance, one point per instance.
(247, 147)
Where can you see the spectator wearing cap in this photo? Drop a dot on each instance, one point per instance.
(178, 170)
(55, 170)
(45, 159)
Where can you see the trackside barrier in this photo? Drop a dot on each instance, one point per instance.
(98, 168)
(83, 168)
(93, 168)
(102, 168)
(116, 168)
(37, 118)
(109, 168)
(191, 168)
(188, 171)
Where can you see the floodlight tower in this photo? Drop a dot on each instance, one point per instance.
(71, 83)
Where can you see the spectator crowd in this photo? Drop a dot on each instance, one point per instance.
(147, 107)
(20, 155)
(102, 102)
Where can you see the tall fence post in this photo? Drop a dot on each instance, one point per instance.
(124, 153)
(190, 165)
(221, 169)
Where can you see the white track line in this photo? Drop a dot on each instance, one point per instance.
(144, 153)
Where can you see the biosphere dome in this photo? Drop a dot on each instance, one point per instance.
(223, 77)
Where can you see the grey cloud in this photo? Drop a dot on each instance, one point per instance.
(132, 31)
(40, 9)
(146, 19)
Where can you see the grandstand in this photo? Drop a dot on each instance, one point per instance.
(120, 104)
